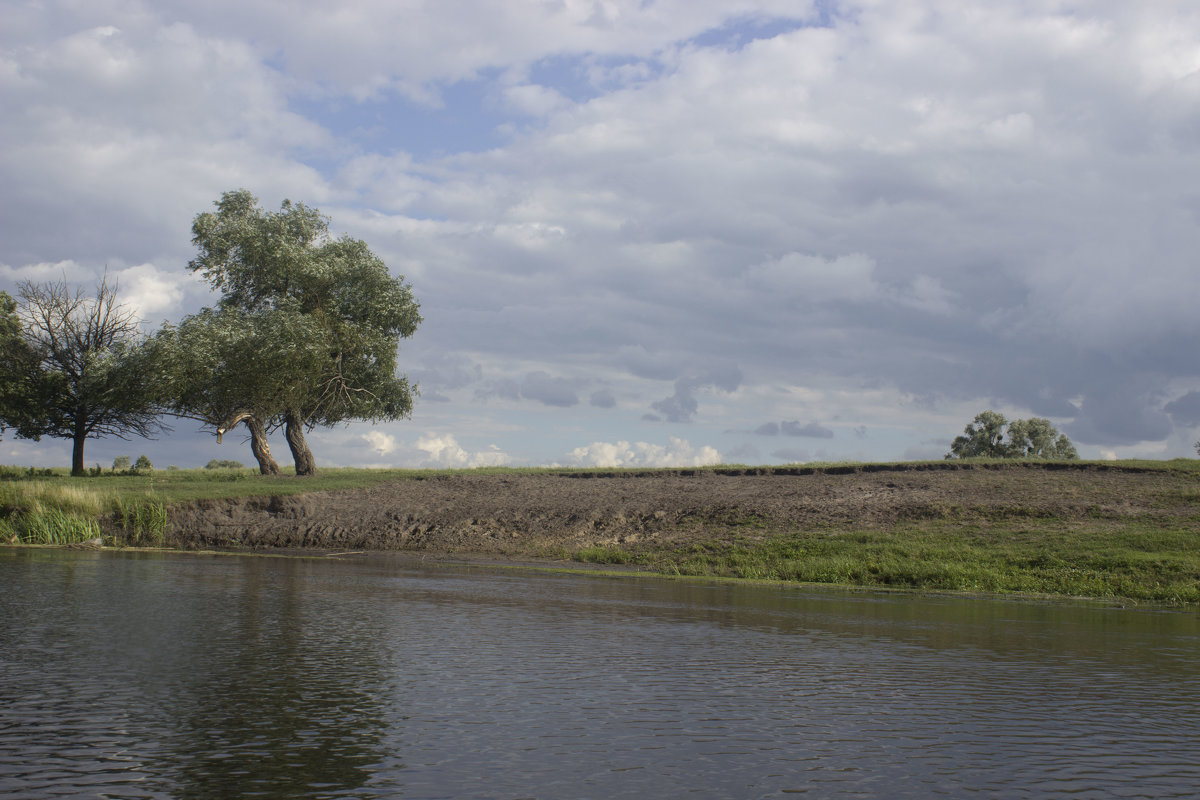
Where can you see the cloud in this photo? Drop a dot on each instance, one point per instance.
(1125, 415)
(538, 386)
(152, 293)
(610, 199)
(682, 405)
(794, 428)
(811, 279)
(602, 398)
(444, 451)
(676, 453)
(379, 442)
(812, 429)
(1185, 410)
(547, 390)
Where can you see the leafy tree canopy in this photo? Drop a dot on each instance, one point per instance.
(84, 378)
(323, 313)
(17, 369)
(1026, 438)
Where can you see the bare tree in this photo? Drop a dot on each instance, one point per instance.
(86, 349)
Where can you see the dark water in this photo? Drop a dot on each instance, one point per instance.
(146, 676)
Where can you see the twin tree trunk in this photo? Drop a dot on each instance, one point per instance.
(294, 431)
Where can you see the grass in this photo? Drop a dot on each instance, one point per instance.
(1140, 563)
(963, 544)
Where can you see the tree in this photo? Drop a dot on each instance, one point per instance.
(85, 377)
(1036, 438)
(17, 369)
(1031, 438)
(337, 313)
(982, 438)
(228, 367)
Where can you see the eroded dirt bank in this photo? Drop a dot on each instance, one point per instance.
(558, 513)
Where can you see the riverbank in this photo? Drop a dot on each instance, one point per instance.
(1127, 531)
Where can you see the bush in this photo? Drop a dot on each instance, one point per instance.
(121, 464)
(143, 463)
(219, 463)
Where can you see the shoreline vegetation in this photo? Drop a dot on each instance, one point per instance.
(1124, 531)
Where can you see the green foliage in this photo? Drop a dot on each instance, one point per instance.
(219, 463)
(48, 512)
(1027, 438)
(144, 520)
(121, 464)
(18, 403)
(84, 379)
(54, 526)
(307, 328)
(143, 464)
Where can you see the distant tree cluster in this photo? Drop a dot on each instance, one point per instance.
(223, 463)
(305, 334)
(990, 435)
(126, 464)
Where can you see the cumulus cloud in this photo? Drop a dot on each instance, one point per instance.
(676, 453)
(444, 451)
(380, 442)
(152, 293)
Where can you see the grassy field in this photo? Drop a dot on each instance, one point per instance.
(1150, 556)
(1138, 563)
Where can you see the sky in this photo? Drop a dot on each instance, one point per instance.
(654, 232)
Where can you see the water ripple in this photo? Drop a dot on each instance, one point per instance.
(155, 676)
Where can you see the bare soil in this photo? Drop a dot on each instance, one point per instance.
(555, 514)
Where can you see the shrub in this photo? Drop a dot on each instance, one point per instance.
(219, 463)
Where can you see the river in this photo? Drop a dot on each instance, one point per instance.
(160, 675)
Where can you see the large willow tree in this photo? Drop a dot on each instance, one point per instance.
(317, 319)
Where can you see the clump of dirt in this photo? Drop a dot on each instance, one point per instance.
(558, 513)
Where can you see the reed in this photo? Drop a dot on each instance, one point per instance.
(144, 520)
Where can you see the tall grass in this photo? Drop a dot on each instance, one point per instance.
(144, 520)
(42, 512)
(57, 512)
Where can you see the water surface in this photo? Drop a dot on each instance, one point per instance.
(144, 675)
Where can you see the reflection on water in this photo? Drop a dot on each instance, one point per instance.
(161, 675)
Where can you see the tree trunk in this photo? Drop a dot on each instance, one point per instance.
(260, 448)
(294, 431)
(79, 436)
